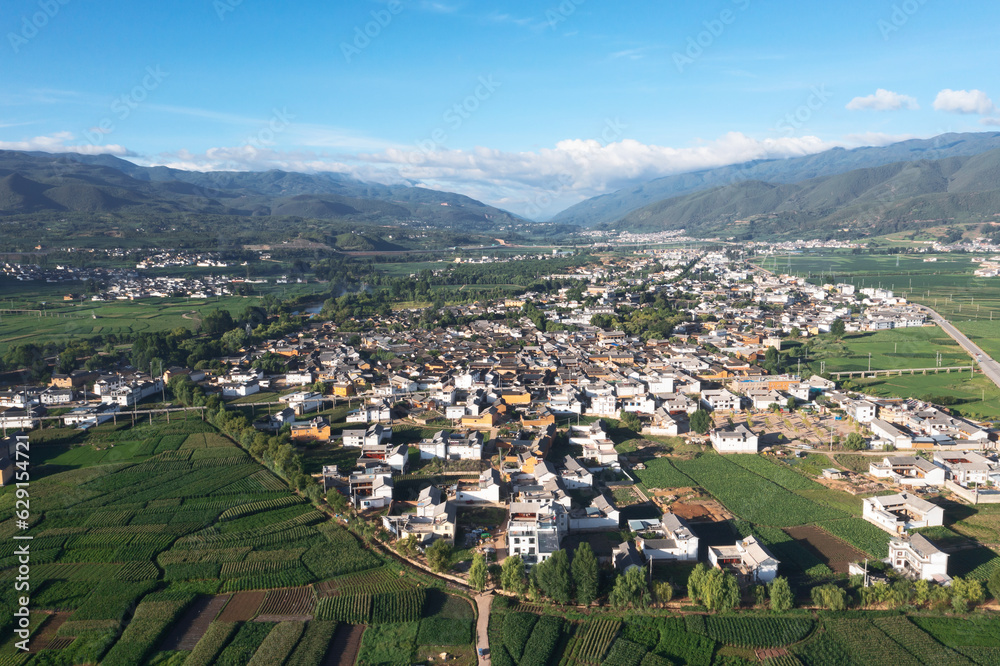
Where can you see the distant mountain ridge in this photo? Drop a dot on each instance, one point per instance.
(43, 182)
(875, 200)
(609, 208)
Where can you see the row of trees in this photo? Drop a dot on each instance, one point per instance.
(559, 578)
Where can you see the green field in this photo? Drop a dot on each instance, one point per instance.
(130, 524)
(637, 639)
(948, 285)
(890, 350)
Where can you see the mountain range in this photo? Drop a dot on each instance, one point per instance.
(952, 178)
(43, 182)
(616, 208)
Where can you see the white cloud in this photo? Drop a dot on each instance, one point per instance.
(963, 101)
(992, 122)
(535, 183)
(883, 100)
(57, 143)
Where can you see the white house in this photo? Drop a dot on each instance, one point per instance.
(749, 558)
(918, 558)
(667, 539)
(372, 488)
(241, 390)
(908, 471)
(452, 446)
(764, 398)
(487, 489)
(536, 530)
(575, 475)
(887, 433)
(721, 400)
(601, 515)
(897, 514)
(737, 440)
(303, 402)
(373, 435)
(965, 468)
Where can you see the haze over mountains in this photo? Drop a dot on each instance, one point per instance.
(950, 178)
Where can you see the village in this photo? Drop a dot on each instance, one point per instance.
(527, 423)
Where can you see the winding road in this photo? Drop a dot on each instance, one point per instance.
(988, 366)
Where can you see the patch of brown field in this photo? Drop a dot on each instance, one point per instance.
(835, 553)
(243, 606)
(344, 647)
(186, 633)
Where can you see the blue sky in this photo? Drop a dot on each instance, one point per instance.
(531, 106)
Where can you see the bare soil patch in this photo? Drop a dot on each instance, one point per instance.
(345, 645)
(193, 625)
(243, 606)
(835, 553)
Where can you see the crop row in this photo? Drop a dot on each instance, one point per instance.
(257, 507)
(917, 643)
(541, 645)
(373, 581)
(757, 632)
(278, 645)
(867, 644)
(595, 640)
(293, 577)
(625, 653)
(405, 606)
(354, 608)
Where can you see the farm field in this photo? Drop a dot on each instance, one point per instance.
(166, 542)
(900, 348)
(635, 638)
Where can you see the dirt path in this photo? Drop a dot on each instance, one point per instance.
(483, 603)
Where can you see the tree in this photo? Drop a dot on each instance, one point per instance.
(694, 581)
(585, 574)
(830, 596)
(406, 547)
(439, 555)
(965, 592)
(554, 579)
(855, 442)
(838, 328)
(781, 595)
(719, 590)
(512, 575)
(630, 590)
(630, 420)
(664, 592)
(791, 404)
(701, 421)
(477, 573)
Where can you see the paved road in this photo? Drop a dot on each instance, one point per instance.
(483, 602)
(987, 365)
